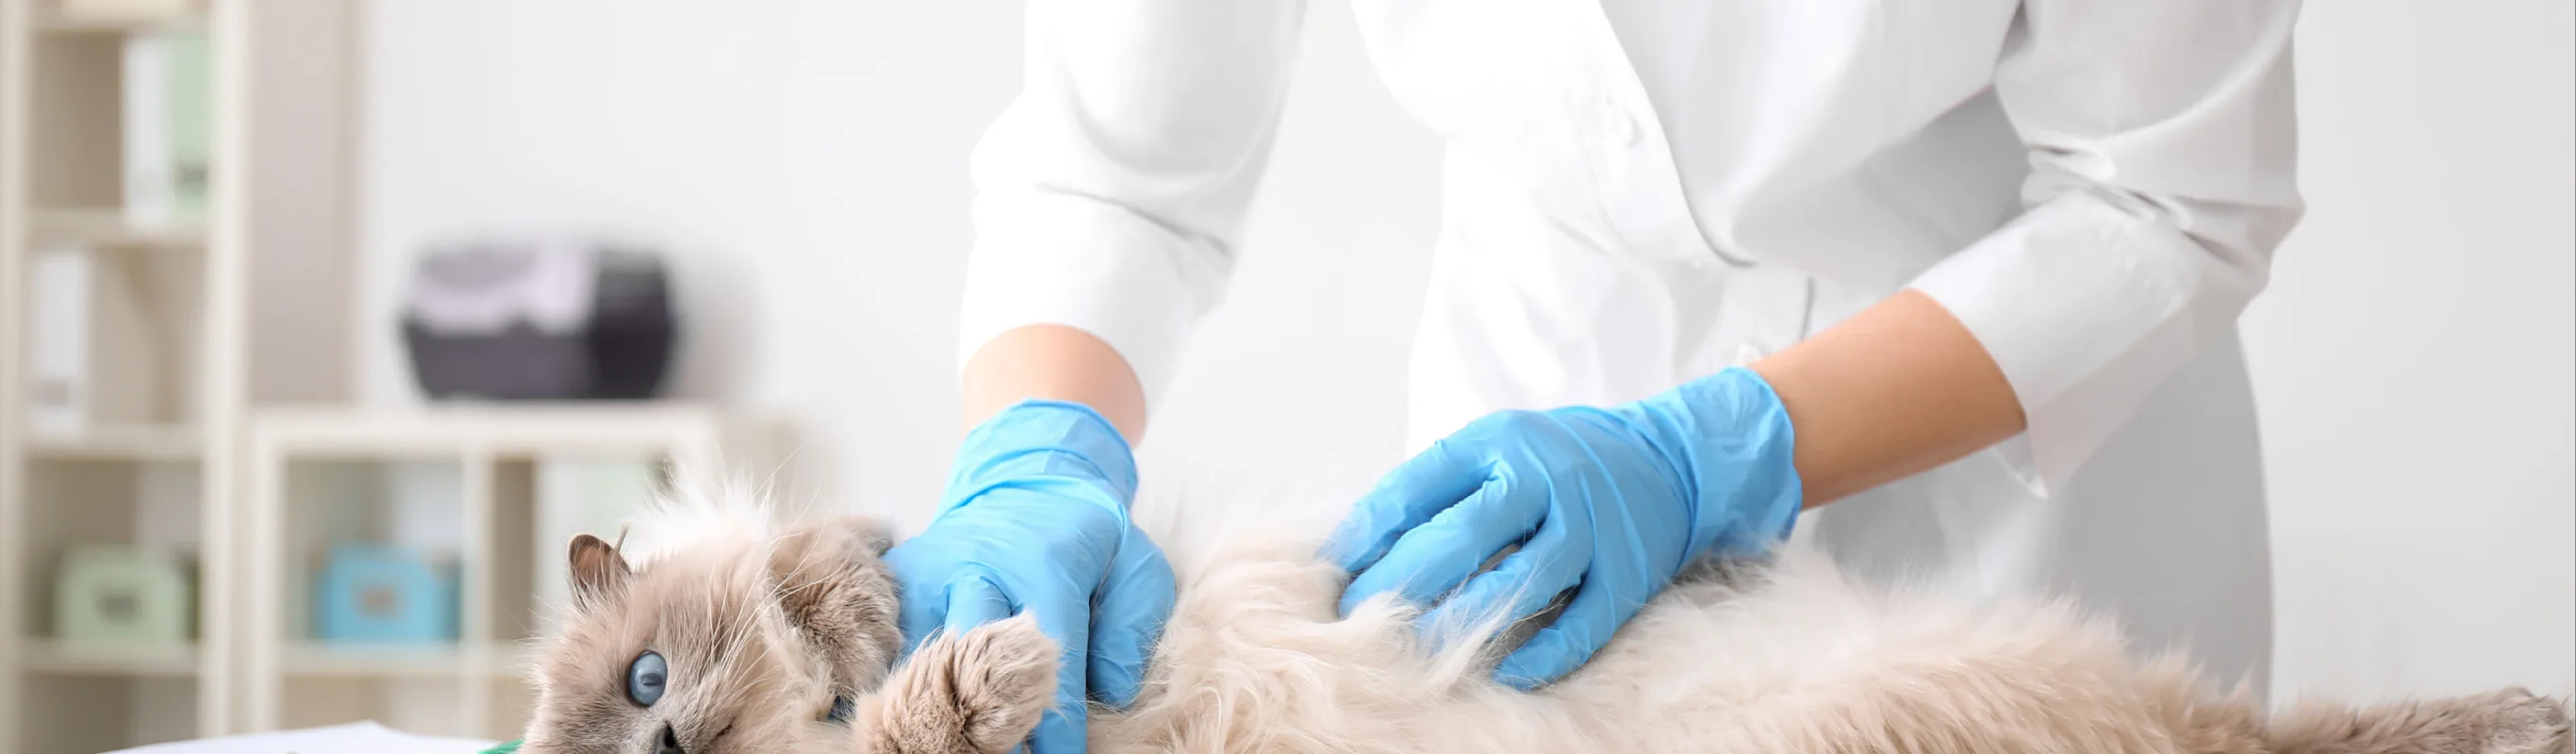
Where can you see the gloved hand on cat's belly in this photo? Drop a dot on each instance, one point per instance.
(1611, 503)
(1035, 519)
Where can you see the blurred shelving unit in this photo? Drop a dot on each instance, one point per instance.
(156, 478)
(483, 483)
(239, 460)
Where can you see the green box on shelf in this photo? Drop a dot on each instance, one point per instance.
(122, 594)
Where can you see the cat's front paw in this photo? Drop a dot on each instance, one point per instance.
(980, 692)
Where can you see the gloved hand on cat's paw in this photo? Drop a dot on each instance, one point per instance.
(1035, 521)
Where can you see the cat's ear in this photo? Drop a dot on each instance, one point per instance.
(598, 573)
(981, 691)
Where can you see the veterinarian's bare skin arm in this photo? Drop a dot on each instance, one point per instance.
(1898, 389)
(1054, 362)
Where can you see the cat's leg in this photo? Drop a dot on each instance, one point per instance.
(833, 585)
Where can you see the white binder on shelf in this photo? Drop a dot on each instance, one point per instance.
(92, 356)
(166, 139)
(151, 182)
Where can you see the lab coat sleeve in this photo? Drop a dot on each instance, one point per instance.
(1110, 193)
(2162, 143)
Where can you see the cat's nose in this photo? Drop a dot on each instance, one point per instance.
(670, 742)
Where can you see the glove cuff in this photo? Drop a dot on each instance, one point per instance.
(1731, 438)
(1044, 441)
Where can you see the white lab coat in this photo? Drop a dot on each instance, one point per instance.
(1639, 192)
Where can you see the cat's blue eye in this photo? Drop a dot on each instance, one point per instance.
(646, 677)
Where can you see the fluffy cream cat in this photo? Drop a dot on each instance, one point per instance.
(771, 639)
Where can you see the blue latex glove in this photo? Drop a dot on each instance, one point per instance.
(1609, 502)
(1035, 519)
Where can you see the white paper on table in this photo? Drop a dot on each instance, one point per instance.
(352, 738)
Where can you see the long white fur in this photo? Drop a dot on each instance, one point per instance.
(1800, 659)
(1786, 656)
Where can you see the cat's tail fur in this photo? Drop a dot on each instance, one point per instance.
(2506, 721)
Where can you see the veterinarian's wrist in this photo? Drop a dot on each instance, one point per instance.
(1062, 445)
(1893, 391)
(1732, 441)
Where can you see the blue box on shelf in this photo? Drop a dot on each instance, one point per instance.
(379, 594)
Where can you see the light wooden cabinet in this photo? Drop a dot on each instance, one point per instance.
(120, 360)
(225, 439)
(497, 492)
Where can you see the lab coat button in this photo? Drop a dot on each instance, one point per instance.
(1746, 354)
(1619, 129)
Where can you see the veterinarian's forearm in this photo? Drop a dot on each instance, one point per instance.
(1054, 362)
(1898, 389)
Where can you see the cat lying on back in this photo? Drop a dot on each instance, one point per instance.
(739, 636)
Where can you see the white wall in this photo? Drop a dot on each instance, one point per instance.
(302, 219)
(805, 161)
(2414, 358)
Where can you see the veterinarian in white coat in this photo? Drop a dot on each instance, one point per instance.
(1985, 257)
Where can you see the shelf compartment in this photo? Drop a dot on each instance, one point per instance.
(73, 123)
(464, 481)
(399, 507)
(115, 342)
(77, 502)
